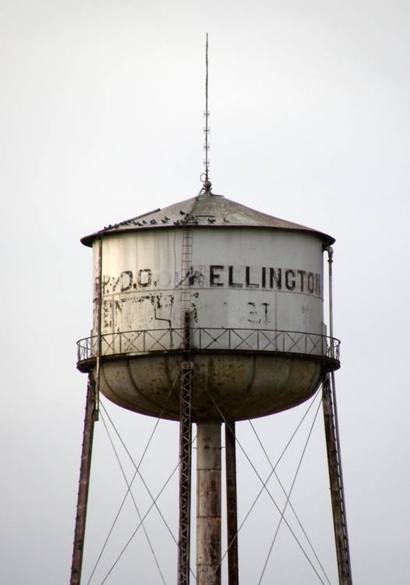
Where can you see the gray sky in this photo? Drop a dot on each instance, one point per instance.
(101, 117)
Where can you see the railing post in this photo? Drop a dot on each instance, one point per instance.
(220, 338)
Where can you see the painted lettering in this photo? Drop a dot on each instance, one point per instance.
(253, 314)
(258, 313)
(144, 277)
(318, 288)
(302, 279)
(214, 274)
(196, 278)
(311, 282)
(126, 280)
(290, 281)
(105, 284)
(249, 284)
(265, 307)
(230, 279)
(275, 277)
(263, 276)
(106, 314)
(294, 280)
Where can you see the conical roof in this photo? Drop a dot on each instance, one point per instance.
(205, 210)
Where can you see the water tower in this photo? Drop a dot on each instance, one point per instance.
(210, 312)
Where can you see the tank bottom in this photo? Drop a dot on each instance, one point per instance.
(231, 386)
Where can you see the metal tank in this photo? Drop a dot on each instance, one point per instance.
(208, 311)
(253, 285)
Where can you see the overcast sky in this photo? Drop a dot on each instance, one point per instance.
(101, 120)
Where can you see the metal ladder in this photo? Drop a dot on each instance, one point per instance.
(186, 267)
(185, 420)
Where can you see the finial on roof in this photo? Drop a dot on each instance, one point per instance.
(206, 183)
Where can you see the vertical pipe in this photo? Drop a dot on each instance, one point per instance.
(208, 503)
(231, 503)
(329, 251)
(84, 482)
(334, 456)
(99, 325)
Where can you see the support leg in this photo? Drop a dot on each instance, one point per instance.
(84, 482)
(336, 483)
(209, 503)
(231, 503)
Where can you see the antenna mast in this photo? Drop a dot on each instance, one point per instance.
(207, 185)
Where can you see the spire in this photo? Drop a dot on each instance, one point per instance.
(206, 183)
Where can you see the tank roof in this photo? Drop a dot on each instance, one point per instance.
(205, 210)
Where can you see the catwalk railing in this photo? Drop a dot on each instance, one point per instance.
(210, 339)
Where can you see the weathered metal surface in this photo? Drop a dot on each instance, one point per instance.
(265, 280)
(204, 210)
(243, 385)
(83, 486)
(231, 503)
(208, 503)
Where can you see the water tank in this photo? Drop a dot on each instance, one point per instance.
(254, 286)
